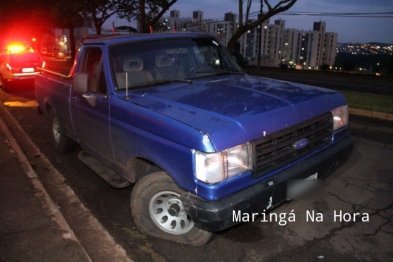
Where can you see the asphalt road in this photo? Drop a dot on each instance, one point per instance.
(363, 186)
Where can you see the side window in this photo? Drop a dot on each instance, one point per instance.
(92, 65)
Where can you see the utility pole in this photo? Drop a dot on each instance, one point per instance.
(260, 38)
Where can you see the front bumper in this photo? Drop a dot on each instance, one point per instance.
(218, 215)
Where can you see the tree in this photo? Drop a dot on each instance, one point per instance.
(325, 67)
(140, 8)
(245, 26)
(388, 65)
(66, 14)
(348, 65)
(155, 7)
(101, 10)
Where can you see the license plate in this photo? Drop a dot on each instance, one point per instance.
(28, 70)
(297, 188)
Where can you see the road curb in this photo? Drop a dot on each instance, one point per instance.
(53, 210)
(372, 114)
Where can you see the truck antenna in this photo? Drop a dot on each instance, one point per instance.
(127, 97)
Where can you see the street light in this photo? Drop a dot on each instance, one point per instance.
(61, 53)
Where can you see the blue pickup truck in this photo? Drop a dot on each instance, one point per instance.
(199, 139)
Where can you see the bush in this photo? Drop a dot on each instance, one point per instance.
(388, 65)
(325, 67)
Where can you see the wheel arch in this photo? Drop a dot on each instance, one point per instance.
(140, 167)
(145, 154)
(48, 107)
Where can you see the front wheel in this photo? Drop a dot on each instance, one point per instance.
(158, 211)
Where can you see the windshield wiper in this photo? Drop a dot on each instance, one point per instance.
(204, 71)
(229, 72)
(167, 81)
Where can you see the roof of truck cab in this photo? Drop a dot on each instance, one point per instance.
(113, 39)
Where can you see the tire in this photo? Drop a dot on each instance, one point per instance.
(6, 86)
(62, 142)
(154, 198)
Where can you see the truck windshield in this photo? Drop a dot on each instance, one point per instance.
(137, 64)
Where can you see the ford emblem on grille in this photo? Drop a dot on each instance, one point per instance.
(300, 144)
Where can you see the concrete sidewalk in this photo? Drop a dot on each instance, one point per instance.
(31, 226)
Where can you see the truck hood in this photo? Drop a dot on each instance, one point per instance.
(237, 109)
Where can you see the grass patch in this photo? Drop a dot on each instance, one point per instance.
(366, 101)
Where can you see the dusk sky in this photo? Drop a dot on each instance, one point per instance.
(349, 29)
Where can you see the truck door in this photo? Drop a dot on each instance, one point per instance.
(90, 108)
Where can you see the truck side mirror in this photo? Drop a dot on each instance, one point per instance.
(80, 82)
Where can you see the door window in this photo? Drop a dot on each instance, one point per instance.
(92, 65)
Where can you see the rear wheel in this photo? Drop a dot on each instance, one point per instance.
(62, 142)
(158, 211)
(5, 85)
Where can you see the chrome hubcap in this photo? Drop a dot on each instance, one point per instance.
(55, 130)
(167, 212)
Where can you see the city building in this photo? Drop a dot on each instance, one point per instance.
(174, 23)
(266, 45)
(275, 41)
(223, 30)
(250, 47)
(273, 44)
(290, 47)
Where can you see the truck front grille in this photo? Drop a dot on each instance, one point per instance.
(279, 149)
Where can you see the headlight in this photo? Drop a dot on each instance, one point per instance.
(340, 117)
(215, 167)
